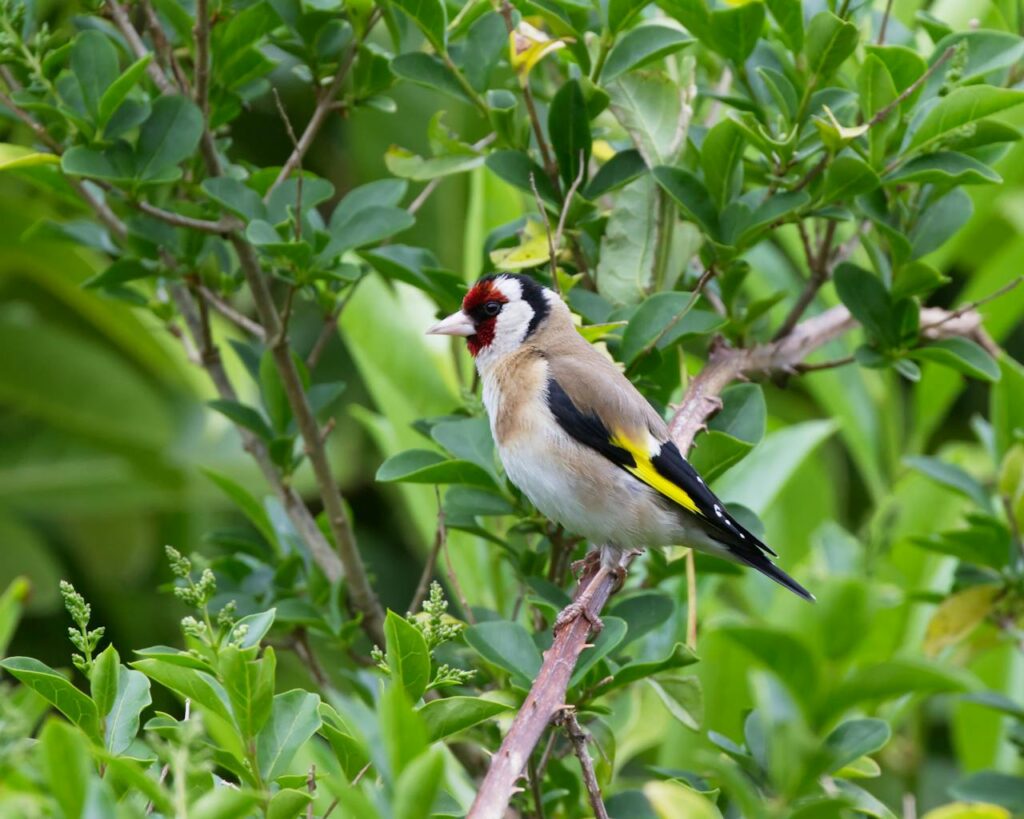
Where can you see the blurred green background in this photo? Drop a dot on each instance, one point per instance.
(103, 434)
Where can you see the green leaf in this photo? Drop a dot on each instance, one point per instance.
(620, 170)
(57, 691)
(830, 40)
(781, 652)
(693, 199)
(418, 784)
(894, 678)
(294, 718)
(650, 107)
(402, 729)
(468, 439)
(288, 803)
(249, 683)
(426, 466)
(13, 157)
(407, 655)
(961, 107)
(569, 129)
(951, 476)
(944, 168)
(249, 506)
(1007, 397)
(114, 164)
(877, 90)
(103, 680)
(516, 168)
(660, 320)
(469, 502)
(940, 221)
(867, 299)
(743, 414)
(365, 227)
(847, 177)
(244, 416)
(962, 355)
(428, 70)
(625, 271)
(622, 12)
(683, 697)
(408, 165)
(643, 612)
(190, 683)
(451, 715)
(94, 65)
(431, 17)
(68, 765)
(223, 802)
(11, 604)
(993, 787)
(735, 31)
(679, 657)
(721, 160)
(118, 90)
(169, 136)
(789, 14)
(508, 646)
(122, 723)
(643, 45)
(853, 739)
(235, 196)
(916, 279)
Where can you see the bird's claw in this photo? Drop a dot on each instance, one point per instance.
(588, 561)
(573, 612)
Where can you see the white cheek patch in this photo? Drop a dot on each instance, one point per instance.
(512, 324)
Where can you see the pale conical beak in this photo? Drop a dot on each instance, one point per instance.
(457, 324)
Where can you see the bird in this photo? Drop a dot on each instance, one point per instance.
(583, 444)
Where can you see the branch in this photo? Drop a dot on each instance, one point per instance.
(221, 226)
(233, 315)
(323, 107)
(201, 32)
(578, 737)
(818, 266)
(137, 46)
(910, 89)
(725, 365)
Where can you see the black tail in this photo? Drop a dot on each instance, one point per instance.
(757, 559)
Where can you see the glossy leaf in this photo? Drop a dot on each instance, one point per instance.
(444, 717)
(644, 44)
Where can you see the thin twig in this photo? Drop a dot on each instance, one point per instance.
(230, 313)
(538, 795)
(705, 277)
(824, 365)
(305, 652)
(311, 787)
(885, 22)
(220, 227)
(124, 24)
(322, 108)
(295, 148)
(163, 48)
(330, 328)
(552, 250)
(453, 578)
(578, 737)
(440, 535)
(910, 89)
(819, 270)
(424, 194)
(974, 305)
(567, 203)
(201, 33)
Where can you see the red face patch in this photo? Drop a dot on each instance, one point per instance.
(473, 305)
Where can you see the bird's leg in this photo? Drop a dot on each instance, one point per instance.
(581, 606)
(580, 567)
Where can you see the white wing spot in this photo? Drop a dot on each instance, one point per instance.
(718, 510)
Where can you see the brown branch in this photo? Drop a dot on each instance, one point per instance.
(322, 109)
(220, 227)
(163, 48)
(885, 22)
(230, 313)
(201, 33)
(910, 89)
(440, 536)
(117, 11)
(579, 737)
(818, 265)
(552, 250)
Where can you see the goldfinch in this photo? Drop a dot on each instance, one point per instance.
(581, 443)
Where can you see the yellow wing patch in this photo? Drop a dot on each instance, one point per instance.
(649, 474)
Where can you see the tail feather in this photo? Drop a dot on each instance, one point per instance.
(759, 561)
(750, 551)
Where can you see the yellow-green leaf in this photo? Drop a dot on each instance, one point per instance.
(16, 156)
(671, 800)
(963, 810)
(957, 616)
(532, 251)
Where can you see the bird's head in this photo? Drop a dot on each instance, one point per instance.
(498, 314)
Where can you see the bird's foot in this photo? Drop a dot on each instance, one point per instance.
(588, 561)
(573, 612)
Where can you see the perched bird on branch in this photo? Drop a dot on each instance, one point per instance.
(581, 443)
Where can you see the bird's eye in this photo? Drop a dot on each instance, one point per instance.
(492, 308)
